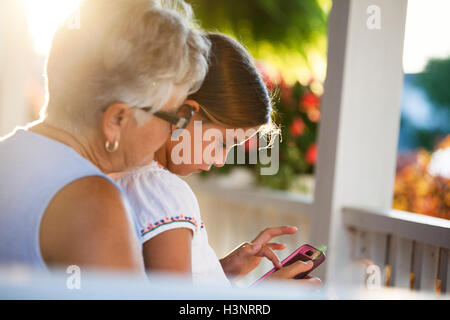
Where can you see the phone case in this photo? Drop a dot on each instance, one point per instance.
(302, 250)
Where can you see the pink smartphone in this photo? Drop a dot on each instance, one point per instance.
(304, 253)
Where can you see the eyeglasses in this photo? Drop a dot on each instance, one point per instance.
(179, 118)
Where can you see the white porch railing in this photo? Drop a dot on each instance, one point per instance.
(410, 249)
(234, 215)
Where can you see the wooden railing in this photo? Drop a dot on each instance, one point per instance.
(234, 215)
(411, 250)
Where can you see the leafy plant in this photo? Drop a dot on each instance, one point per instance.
(288, 34)
(416, 190)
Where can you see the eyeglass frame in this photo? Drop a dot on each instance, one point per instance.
(172, 117)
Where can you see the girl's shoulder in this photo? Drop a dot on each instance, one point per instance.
(160, 199)
(155, 180)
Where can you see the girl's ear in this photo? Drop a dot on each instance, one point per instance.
(194, 104)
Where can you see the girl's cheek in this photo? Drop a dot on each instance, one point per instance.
(207, 157)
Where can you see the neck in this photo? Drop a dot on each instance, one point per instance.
(78, 143)
(161, 156)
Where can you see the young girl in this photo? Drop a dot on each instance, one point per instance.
(174, 237)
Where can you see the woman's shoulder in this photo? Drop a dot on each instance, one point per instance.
(101, 218)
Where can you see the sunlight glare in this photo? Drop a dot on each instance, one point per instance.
(44, 16)
(426, 33)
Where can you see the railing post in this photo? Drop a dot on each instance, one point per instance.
(444, 271)
(400, 259)
(429, 268)
(360, 122)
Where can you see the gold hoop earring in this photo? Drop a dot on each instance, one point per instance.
(114, 148)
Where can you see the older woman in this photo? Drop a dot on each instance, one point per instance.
(57, 205)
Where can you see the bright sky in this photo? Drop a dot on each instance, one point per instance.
(427, 33)
(427, 28)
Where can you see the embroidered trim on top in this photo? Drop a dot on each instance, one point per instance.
(168, 220)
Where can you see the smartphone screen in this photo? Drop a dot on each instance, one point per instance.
(311, 254)
(305, 255)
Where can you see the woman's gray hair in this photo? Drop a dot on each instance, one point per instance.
(130, 51)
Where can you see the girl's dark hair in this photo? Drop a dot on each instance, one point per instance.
(233, 93)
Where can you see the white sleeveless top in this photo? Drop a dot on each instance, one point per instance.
(162, 201)
(33, 168)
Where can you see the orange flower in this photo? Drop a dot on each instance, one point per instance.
(417, 191)
(314, 115)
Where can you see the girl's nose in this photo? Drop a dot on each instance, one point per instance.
(219, 160)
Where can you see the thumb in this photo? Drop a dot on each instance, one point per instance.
(292, 270)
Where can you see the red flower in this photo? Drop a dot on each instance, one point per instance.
(251, 144)
(309, 101)
(297, 127)
(311, 154)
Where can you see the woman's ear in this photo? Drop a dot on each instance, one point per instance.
(194, 104)
(114, 119)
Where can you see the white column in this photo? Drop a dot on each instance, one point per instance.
(14, 57)
(361, 116)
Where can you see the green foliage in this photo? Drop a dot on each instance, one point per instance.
(285, 33)
(435, 79)
(287, 23)
(297, 114)
(289, 36)
(428, 139)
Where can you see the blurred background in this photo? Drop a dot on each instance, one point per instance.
(288, 39)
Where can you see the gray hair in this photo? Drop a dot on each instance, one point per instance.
(130, 51)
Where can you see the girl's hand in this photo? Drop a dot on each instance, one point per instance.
(247, 256)
(289, 272)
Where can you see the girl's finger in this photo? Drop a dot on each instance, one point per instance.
(269, 254)
(276, 246)
(267, 234)
(292, 270)
(248, 249)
